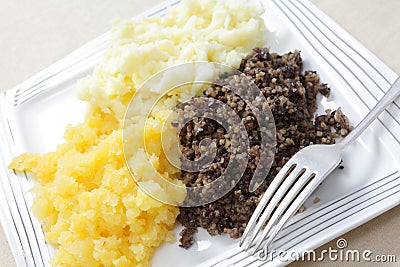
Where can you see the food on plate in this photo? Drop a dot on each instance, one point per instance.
(90, 208)
(291, 95)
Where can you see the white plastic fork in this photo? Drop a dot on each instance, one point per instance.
(298, 178)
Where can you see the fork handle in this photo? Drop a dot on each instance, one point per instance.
(382, 104)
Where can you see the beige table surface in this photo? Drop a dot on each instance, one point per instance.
(34, 34)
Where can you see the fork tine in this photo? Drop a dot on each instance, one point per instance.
(294, 207)
(276, 182)
(272, 203)
(302, 179)
(311, 180)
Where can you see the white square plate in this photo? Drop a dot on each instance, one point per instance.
(33, 117)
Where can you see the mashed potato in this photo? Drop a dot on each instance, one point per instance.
(89, 206)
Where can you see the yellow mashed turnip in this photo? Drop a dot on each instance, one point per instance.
(90, 207)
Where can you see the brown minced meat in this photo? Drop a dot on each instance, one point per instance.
(291, 96)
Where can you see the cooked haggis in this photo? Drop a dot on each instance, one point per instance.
(291, 96)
